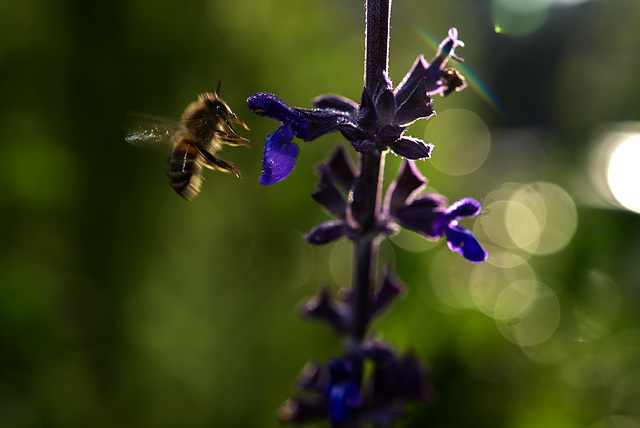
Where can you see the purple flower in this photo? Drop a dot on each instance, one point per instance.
(330, 390)
(280, 153)
(429, 215)
(343, 393)
(374, 125)
(438, 80)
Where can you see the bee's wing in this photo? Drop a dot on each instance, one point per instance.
(146, 130)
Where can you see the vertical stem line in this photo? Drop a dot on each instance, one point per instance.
(376, 44)
(366, 247)
(378, 14)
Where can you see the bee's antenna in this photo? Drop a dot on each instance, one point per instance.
(218, 87)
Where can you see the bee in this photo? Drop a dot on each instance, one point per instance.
(206, 126)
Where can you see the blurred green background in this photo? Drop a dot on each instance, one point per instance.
(122, 305)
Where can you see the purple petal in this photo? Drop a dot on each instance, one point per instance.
(341, 168)
(464, 208)
(422, 215)
(381, 353)
(352, 132)
(266, 104)
(279, 157)
(365, 146)
(411, 148)
(433, 73)
(317, 122)
(328, 195)
(326, 232)
(417, 106)
(338, 407)
(336, 102)
(343, 393)
(411, 80)
(326, 308)
(367, 119)
(462, 241)
(341, 370)
(391, 288)
(306, 124)
(352, 397)
(389, 134)
(383, 99)
(404, 187)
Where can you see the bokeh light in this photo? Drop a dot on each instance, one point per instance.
(523, 17)
(623, 173)
(527, 312)
(461, 140)
(519, 17)
(487, 282)
(538, 218)
(613, 170)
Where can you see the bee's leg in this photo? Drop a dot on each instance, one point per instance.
(232, 139)
(214, 162)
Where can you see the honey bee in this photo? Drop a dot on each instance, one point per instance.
(206, 126)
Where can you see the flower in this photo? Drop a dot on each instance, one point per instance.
(280, 154)
(332, 389)
(429, 215)
(374, 125)
(342, 393)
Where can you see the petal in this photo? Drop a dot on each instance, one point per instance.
(318, 122)
(336, 102)
(328, 195)
(341, 370)
(279, 157)
(464, 208)
(367, 119)
(365, 146)
(391, 288)
(422, 215)
(343, 392)
(326, 232)
(411, 80)
(462, 241)
(411, 148)
(326, 308)
(417, 106)
(338, 408)
(352, 396)
(341, 168)
(383, 99)
(381, 353)
(388, 134)
(433, 73)
(352, 132)
(306, 124)
(269, 105)
(404, 187)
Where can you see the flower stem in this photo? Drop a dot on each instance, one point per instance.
(376, 40)
(371, 167)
